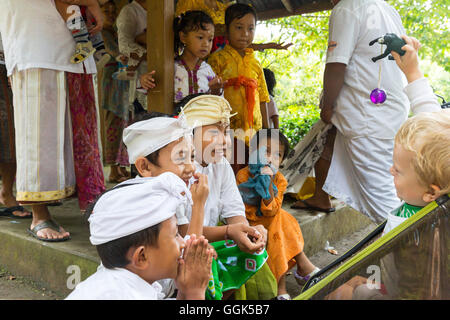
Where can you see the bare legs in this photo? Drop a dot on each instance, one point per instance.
(7, 198)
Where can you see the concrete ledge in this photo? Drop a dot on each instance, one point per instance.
(319, 227)
(47, 263)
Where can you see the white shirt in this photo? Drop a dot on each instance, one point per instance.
(116, 284)
(224, 200)
(353, 24)
(421, 96)
(36, 36)
(181, 83)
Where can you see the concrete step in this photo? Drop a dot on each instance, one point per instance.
(56, 265)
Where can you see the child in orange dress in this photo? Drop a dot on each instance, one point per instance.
(262, 186)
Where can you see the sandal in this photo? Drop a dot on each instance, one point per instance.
(83, 51)
(47, 224)
(302, 280)
(9, 212)
(308, 207)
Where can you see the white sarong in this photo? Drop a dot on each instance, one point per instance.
(44, 151)
(359, 175)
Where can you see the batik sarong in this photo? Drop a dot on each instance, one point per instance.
(88, 166)
(7, 145)
(232, 268)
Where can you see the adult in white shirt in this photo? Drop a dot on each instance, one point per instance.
(38, 46)
(359, 170)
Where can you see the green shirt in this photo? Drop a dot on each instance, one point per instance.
(406, 210)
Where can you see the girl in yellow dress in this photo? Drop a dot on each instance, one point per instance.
(245, 85)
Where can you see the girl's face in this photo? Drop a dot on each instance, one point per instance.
(241, 32)
(199, 42)
(177, 157)
(275, 151)
(110, 13)
(211, 142)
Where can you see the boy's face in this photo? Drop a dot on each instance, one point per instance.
(211, 143)
(241, 32)
(177, 157)
(199, 42)
(408, 187)
(163, 259)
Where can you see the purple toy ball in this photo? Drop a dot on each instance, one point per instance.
(378, 96)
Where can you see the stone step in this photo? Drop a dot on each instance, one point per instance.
(57, 265)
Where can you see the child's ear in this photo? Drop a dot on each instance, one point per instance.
(140, 258)
(182, 36)
(432, 194)
(143, 167)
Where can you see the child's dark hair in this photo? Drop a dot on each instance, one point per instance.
(270, 134)
(187, 22)
(270, 80)
(113, 254)
(237, 11)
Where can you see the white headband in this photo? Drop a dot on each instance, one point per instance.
(135, 207)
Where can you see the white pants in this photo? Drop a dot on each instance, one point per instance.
(359, 175)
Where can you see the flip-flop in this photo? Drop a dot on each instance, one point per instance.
(47, 224)
(308, 207)
(9, 212)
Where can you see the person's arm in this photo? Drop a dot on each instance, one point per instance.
(265, 118)
(344, 26)
(126, 31)
(199, 191)
(270, 45)
(418, 90)
(276, 121)
(272, 206)
(333, 80)
(94, 8)
(142, 39)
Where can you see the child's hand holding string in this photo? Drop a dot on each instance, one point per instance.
(409, 62)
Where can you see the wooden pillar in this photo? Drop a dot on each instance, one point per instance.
(160, 54)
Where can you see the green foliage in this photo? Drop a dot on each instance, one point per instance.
(429, 22)
(297, 121)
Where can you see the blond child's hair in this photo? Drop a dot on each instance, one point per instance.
(428, 136)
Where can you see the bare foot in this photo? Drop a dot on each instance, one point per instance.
(323, 203)
(48, 233)
(41, 214)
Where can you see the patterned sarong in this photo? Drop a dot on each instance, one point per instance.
(232, 268)
(7, 145)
